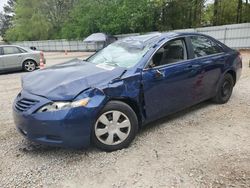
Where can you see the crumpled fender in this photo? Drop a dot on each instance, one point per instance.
(128, 90)
(97, 97)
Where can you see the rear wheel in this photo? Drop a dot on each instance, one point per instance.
(225, 90)
(115, 127)
(29, 66)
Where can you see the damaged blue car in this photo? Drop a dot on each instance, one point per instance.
(107, 98)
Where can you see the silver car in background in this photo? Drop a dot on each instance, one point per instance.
(14, 57)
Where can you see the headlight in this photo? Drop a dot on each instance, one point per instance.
(63, 105)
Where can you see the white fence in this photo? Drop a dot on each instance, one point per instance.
(235, 36)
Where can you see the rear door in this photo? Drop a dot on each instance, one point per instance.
(212, 59)
(13, 57)
(168, 80)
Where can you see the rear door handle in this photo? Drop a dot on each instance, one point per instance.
(192, 67)
(189, 67)
(208, 62)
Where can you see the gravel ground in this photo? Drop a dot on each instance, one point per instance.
(207, 145)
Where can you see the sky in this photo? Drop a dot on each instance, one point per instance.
(209, 1)
(2, 2)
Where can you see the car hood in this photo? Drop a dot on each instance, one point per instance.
(65, 81)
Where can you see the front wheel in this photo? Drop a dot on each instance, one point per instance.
(116, 127)
(225, 90)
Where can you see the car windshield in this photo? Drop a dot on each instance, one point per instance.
(119, 54)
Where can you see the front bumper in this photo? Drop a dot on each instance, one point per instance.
(65, 128)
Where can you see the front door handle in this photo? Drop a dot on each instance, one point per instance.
(159, 74)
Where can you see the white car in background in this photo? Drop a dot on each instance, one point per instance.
(14, 57)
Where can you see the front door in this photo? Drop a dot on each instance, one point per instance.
(168, 82)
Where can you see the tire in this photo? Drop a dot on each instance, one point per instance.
(115, 127)
(29, 66)
(225, 90)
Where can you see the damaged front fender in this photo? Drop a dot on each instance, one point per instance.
(128, 90)
(97, 97)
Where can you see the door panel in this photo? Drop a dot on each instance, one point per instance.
(12, 57)
(211, 71)
(170, 88)
(13, 61)
(212, 59)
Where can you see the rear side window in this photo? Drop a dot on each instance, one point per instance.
(1, 51)
(11, 50)
(203, 46)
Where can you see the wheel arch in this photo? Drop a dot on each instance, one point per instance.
(232, 73)
(228, 71)
(29, 59)
(132, 104)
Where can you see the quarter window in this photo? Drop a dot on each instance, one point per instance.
(203, 46)
(172, 52)
(22, 50)
(11, 50)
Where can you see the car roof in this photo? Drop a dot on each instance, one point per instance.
(4, 45)
(141, 41)
(10, 45)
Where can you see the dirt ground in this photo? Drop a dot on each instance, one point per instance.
(207, 145)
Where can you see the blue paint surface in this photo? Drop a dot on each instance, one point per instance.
(151, 95)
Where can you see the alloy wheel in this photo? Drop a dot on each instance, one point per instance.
(30, 66)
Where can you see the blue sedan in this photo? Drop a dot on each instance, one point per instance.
(106, 99)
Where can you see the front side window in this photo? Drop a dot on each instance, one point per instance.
(203, 46)
(11, 50)
(172, 52)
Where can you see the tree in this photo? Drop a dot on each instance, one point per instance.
(56, 12)
(6, 17)
(246, 12)
(239, 12)
(113, 16)
(39, 20)
(216, 10)
(28, 23)
(76, 19)
(224, 12)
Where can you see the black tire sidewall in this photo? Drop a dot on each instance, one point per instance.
(128, 111)
(219, 98)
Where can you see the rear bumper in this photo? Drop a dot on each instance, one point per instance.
(66, 128)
